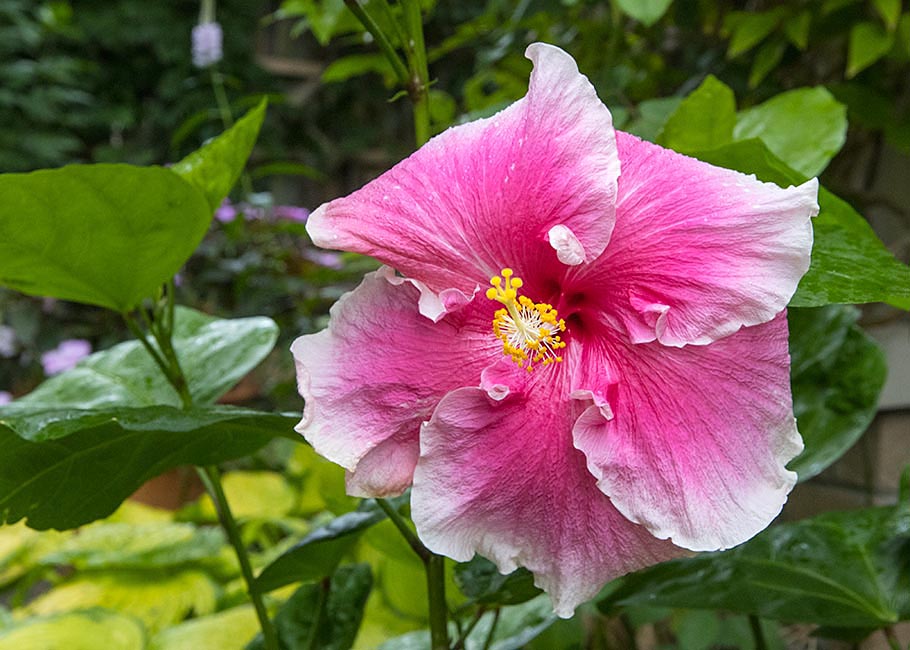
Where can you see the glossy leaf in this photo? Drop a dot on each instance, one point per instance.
(215, 354)
(317, 554)
(326, 615)
(646, 12)
(868, 43)
(704, 119)
(482, 582)
(106, 235)
(844, 569)
(65, 468)
(215, 167)
(850, 264)
(805, 128)
(837, 373)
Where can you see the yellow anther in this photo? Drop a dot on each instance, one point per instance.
(529, 331)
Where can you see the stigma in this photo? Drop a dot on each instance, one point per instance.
(529, 330)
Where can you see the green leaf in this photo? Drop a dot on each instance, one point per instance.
(652, 116)
(797, 29)
(767, 57)
(482, 582)
(252, 495)
(215, 354)
(748, 29)
(65, 468)
(88, 629)
(805, 128)
(837, 373)
(646, 12)
(326, 615)
(355, 65)
(703, 120)
(215, 167)
(227, 630)
(317, 554)
(890, 11)
(868, 43)
(844, 569)
(157, 598)
(850, 264)
(106, 235)
(105, 545)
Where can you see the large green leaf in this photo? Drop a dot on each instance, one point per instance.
(64, 468)
(215, 354)
(317, 554)
(107, 235)
(844, 569)
(850, 264)
(837, 373)
(703, 120)
(216, 166)
(804, 143)
(325, 615)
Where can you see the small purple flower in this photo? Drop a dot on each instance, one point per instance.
(5, 397)
(327, 259)
(226, 211)
(207, 39)
(291, 212)
(65, 356)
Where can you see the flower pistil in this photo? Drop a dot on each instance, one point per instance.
(529, 331)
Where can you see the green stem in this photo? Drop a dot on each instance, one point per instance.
(436, 590)
(758, 634)
(463, 635)
(434, 566)
(381, 39)
(227, 120)
(489, 641)
(419, 75)
(157, 357)
(212, 481)
(413, 541)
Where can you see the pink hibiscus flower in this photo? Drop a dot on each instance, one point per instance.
(581, 363)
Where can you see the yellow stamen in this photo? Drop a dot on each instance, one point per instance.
(529, 331)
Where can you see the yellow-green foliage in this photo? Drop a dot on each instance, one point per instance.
(231, 629)
(82, 630)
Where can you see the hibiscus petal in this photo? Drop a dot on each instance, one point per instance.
(699, 251)
(700, 436)
(377, 372)
(499, 476)
(487, 194)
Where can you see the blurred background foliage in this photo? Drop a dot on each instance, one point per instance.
(101, 81)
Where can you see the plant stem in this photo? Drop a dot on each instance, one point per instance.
(436, 580)
(161, 327)
(413, 541)
(419, 75)
(758, 634)
(381, 39)
(489, 641)
(227, 120)
(212, 480)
